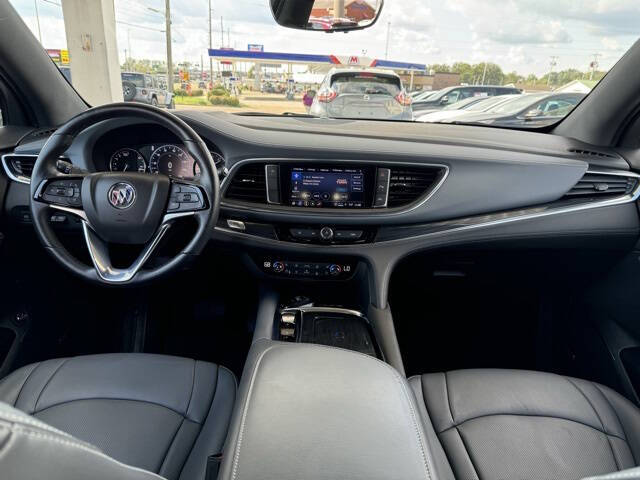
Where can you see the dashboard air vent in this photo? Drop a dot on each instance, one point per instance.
(598, 186)
(408, 184)
(19, 166)
(248, 184)
(592, 153)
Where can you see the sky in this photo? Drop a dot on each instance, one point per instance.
(518, 35)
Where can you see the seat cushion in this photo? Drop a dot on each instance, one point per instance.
(159, 413)
(520, 424)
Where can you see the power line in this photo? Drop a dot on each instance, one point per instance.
(139, 26)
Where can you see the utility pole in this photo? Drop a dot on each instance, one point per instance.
(229, 37)
(386, 50)
(129, 45)
(552, 64)
(594, 65)
(35, 2)
(210, 46)
(484, 73)
(167, 16)
(221, 33)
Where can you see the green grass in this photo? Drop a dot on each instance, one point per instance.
(191, 100)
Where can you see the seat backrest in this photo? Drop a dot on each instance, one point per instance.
(30, 448)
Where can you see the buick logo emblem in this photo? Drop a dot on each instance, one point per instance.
(122, 195)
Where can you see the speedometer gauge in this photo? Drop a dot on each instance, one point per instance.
(173, 161)
(127, 160)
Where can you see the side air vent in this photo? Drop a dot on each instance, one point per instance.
(248, 184)
(408, 184)
(592, 153)
(19, 167)
(596, 185)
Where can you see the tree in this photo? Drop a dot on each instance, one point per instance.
(440, 68)
(514, 78)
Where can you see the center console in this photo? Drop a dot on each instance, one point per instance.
(317, 413)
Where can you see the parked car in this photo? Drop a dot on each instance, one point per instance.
(462, 108)
(450, 95)
(144, 88)
(362, 93)
(527, 109)
(422, 96)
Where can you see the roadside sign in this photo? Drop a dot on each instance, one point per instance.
(54, 54)
(255, 47)
(64, 57)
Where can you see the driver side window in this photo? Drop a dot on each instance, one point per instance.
(453, 96)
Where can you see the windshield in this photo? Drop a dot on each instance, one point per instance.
(420, 56)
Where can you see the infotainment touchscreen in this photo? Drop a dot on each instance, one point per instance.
(327, 187)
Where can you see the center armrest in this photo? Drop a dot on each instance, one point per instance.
(314, 412)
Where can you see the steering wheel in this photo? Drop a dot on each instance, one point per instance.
(123, 207)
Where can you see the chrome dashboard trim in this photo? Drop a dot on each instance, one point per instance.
(621, 200)
(354, 212)
(13, 176)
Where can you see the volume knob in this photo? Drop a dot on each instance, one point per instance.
(326, 233)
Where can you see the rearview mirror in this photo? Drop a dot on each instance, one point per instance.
(326, 15)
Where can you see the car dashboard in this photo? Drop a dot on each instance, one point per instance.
(313, 200)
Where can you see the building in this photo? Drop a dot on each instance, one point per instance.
(577, 86)
(356, 10)
(424, 81)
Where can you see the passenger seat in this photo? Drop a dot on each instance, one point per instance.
(508, 424)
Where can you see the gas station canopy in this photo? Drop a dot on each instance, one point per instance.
(225, 55)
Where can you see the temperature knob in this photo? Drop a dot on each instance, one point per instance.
(278, 267)
(335, 269)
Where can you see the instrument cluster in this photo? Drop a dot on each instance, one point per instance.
(168, 159)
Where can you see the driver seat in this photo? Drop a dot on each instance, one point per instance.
(162, 414)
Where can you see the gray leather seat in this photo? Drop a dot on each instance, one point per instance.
(163, 414)
(504, 424)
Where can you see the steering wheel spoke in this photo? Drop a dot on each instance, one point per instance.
(185, 199)
(62, 193)
(101, 259)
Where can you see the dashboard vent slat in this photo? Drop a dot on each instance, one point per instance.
(20, 166)
(592, 153)
(594, 185)
(248, 184)
(408, 184)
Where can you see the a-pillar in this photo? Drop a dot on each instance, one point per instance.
(90, 26)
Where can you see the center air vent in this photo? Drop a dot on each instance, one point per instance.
(19, 167)
(597, 185)
(248, 184)
(408, 184)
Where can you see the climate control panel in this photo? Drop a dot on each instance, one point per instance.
(311, 270)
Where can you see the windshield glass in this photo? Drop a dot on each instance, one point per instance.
(421, 56)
